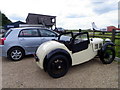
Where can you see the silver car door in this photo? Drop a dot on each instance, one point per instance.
(30, 39)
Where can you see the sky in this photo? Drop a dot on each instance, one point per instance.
(71, 14)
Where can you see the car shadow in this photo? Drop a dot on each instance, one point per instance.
(88, 64)
(29, 56)
(5, 59)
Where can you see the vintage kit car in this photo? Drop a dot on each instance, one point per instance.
(57, 56)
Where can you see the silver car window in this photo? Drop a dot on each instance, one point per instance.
(29, 33)
(47, 33)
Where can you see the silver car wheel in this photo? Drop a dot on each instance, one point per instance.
(16, 54)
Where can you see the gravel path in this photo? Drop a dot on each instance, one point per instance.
(26, 74)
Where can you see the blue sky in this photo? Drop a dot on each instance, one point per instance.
(71, 14)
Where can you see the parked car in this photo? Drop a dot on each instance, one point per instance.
(60, 30)
(18, 42)
(57, 56)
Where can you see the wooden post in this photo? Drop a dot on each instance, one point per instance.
(113, 35)
(80, 30)
(55, 22)
(93, 33)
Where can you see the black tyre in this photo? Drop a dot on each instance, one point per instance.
(58, 66)
(108, 55)
(16, 54)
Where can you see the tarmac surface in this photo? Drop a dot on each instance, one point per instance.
(26, 74)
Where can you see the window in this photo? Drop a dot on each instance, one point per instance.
(29, 33)
(7, 33)
(47, 33)
(81, 38)
(81, 42)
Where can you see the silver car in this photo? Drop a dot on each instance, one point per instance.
(18, 42)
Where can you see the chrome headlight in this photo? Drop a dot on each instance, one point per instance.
(107, 40)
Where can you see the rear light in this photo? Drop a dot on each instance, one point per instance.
(2, 41)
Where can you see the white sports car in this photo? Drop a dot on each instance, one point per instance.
(57, 56)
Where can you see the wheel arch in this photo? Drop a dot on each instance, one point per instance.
(56, 52)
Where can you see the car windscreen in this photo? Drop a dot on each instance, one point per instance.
(6, 33)
(65, 36)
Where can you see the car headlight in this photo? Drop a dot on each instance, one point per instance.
(107, 40)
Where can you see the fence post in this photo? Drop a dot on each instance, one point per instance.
(80, 30)
(113, 35)
(93, 33)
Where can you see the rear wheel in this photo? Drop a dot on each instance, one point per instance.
(16, 54)
(108, 55)
(57, 66)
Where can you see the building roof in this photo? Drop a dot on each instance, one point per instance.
(17, 22)
(40, 15)
(46, 20)
(13, 25)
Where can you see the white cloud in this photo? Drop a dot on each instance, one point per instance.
(71, 14)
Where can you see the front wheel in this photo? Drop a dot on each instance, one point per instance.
(108, 55)
(57, 66)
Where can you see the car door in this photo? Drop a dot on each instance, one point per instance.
(82, 50)
(30, 39)
(47, 35)
(80, 42)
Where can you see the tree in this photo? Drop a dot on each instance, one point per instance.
(0, 19)
(4, 20)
